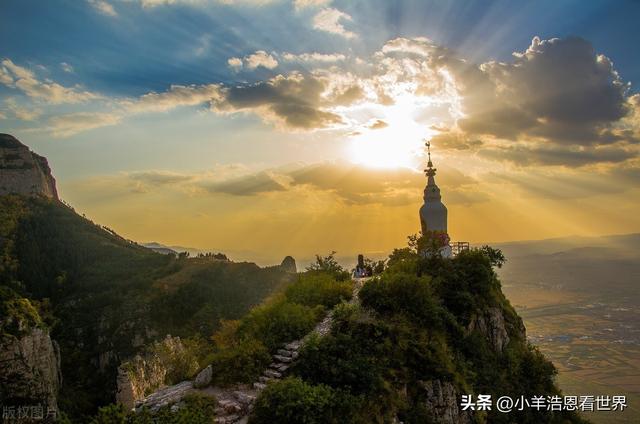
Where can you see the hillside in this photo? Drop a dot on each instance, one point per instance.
(405, 348)
(104, 298)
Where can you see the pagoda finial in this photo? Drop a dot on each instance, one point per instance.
(430, 171)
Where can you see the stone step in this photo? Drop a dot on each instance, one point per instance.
(264, 379)
(285, 352)
(259, 386)
(284, 359)
(279, 367)
(244, 398)
(229, 419)
(230, 406)
(272, 374)
(295, 345)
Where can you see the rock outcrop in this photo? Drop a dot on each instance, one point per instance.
(289, 265)
(29, 370)
(441, 399)
(22, 171)
(491, 324)
(148, 372)
(204, 377)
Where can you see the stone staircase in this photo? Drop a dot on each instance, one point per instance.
(235, 404)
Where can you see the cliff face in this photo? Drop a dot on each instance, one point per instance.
(492, 325)
(164, 361)
(289, 265)
(29, 369)
(22, 171)
(441, 398)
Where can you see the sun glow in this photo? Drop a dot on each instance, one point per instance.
(393, 141)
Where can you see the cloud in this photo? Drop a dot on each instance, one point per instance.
(260, 58)
(22, 113)
(176, 96)
(350, 184)
(420, 46)
(304, 4)
(159, 178)
(377, 125)
(248, 185)
(293, 101)
(559, 155)
(392, 187)
(71, 124)
(313, 57)
(558, 91)
(21, 78)
(148, 4)
(235, 63)
(103, 7)
(329, 20)
(66, 67)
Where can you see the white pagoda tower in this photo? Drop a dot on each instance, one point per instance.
(433, 213)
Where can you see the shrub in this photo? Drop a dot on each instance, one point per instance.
(293, 401)
(404, 294)
(242, 362)
(279, 321)
(197, 409)
(18, 314)
(329, 265)
(318, 289)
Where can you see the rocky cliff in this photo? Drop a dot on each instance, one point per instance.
(29, 370)
(163, 362)
(289, 265)
(22, 171)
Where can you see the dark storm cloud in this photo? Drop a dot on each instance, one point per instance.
(558, 90)
(294, 100)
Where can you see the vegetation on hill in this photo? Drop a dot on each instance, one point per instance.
(243, 348)
(105, 297)
(415, 329)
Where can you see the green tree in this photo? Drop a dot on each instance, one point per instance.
(330, 265)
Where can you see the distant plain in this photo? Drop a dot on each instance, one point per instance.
(580, 302)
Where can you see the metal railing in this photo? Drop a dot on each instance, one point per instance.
(458, 246)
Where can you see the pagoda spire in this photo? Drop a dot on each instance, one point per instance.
(430, 171)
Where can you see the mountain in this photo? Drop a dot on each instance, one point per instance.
(607, 266)
(66, 281)
(402, 347)
(22, 171)
(160, 248)
(89, 317)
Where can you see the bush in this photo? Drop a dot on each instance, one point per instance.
(17, 314)
(293, 401)
(328, 265)
(197, 409)
(318, 289)
(279, 321)
(404, 294)
(240, 363)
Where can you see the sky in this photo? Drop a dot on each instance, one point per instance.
(265, 128)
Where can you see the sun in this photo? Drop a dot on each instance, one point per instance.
(396, 140)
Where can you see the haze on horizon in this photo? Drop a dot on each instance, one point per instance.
(297, 127)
